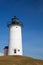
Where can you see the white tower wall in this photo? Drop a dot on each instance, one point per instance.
(15, 42)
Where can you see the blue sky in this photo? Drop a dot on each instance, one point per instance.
(30, 13)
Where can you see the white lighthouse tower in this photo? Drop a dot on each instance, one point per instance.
(15, 41)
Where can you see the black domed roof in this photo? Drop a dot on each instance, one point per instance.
(15, 19)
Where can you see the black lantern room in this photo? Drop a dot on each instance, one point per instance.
(15, 21)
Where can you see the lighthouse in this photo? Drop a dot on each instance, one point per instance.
(15, 39)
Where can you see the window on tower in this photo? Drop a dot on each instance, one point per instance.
(16, 27)
(18, 50)
(14, 50)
